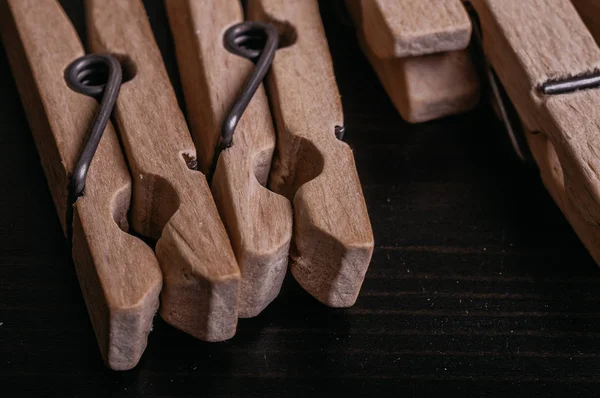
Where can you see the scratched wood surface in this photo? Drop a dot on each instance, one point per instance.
(477, 282)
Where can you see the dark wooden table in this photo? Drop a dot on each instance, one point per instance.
(477, 282)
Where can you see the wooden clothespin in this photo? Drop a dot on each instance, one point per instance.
(259, 222)
(419, 51)
(170, 201)
(548, 63)
(119, 275)
(332, 239)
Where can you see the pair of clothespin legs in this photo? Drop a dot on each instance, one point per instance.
(549, 63)
(221, 250)
(544, 56)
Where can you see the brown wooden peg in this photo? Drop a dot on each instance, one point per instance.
(333, 240)
(259, 222)
(419, 51)
(171, 202)
(532, 44)
(547, 61)
(119, 275)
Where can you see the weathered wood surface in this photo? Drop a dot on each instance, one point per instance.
(170, 202)
(259, 222)
(118, 273)
(333, 240)
(418, 50)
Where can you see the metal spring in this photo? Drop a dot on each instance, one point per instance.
(257, 42)
(571, 84)
(98, 76)
(512, 124)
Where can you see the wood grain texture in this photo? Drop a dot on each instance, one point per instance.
(408, 28)
(522, 40)
(170, 201)
(333, 240)
(437, 81)
(259, 222)
(119, 274)
(589, 11)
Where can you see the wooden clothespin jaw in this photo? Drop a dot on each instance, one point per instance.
(332, 240)
(419, 51)
(259, 222)
(548, 63)
(119, 275)
(171, 201)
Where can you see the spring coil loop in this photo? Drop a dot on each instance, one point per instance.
(98, 76)
(257, 42)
